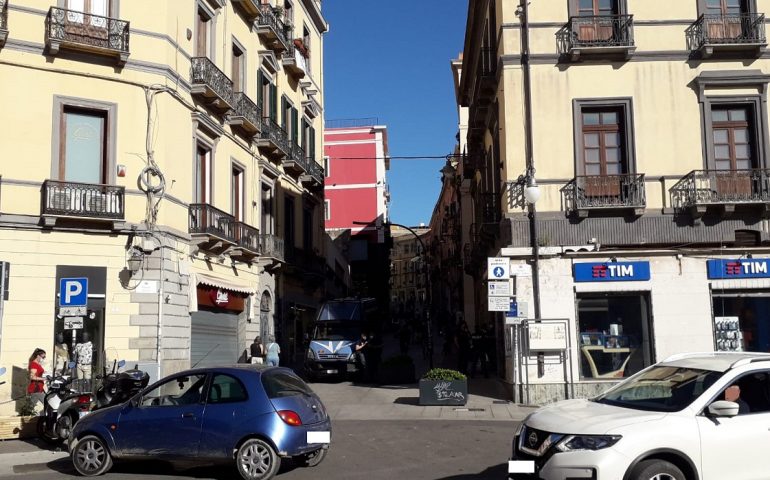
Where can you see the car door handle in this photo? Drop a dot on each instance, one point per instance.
(188, 415)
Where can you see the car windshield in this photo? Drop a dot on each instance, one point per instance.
(336, 331)
(662, 388)
(340, 311)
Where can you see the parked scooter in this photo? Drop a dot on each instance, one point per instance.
(52, 426)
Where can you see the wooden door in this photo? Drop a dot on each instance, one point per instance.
(724, 18)
(603, 155)
(597, 27)
(733, 150)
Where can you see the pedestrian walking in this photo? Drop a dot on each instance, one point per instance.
(257, 350)
(273, 352)
(36, 387)
(360, 352)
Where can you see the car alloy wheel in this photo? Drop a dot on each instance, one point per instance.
(91, 456)
(257, 460)
(656, 470)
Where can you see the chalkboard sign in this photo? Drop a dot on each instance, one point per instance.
(443, 392)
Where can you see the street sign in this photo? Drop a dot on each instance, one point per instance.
(521, 270)
(498, 304)
(517, 310)
(73, 292)
(72, 323)
(498, 268)
(72, 311)
(499, 288)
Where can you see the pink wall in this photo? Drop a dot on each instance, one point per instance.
(351, 205)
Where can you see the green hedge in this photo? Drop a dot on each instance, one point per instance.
(443, 374)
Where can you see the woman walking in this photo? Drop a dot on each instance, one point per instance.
(273, 350)
(35, 388)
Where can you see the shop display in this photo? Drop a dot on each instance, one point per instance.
(729, 337)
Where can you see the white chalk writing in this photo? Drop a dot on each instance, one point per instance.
(444, 392)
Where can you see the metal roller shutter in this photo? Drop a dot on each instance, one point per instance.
(214, 338)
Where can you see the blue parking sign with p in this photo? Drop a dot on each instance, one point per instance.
(73, 292)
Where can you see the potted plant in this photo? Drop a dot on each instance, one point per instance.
(442, 386)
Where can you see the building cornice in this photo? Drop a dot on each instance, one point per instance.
(313, 9)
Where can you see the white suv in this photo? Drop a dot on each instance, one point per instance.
(670, 421)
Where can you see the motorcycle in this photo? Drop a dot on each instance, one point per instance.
(56, 419)
(117, 387)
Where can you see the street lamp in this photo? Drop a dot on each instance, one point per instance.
(524, 193)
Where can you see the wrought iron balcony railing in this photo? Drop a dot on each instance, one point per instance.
(491, 207)
(86, 31)
(274, 137)
(294, 61)
(209, 80)
(246, 113)
(74, 199)
(208, 220)
(315, 171)
(702, 188)
(597, 32)
(271, 246)
(270, 25)
(591, 192)
(735, 29)
(246, 236)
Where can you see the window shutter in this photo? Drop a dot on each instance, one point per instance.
(311, 152)
(273, 103)
(294, 125)
(260, 91)
(284, 116)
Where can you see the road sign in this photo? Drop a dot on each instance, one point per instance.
(498, 268)
(499, 288)
(72, 311)
(498, 304)
(73, 292)
(72, 323)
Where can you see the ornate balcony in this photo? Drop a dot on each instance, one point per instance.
(211, 227)
(722, 189)
(295, 62)
(588, 193)
(295, 162)
(250, 8)
(605, 35)
(246, 237)
(210, 84)
(246, 114)
(272, 247)
(314, 174)
(712, 33)
(81, 200)
(272, 29)
(3, 22)
(86, 32)
(273, 139)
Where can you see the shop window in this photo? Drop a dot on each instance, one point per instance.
(740, 321)
(615, 335)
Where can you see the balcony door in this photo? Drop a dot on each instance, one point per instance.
(598, 21)
(202, 186)
(604, 158)
(734, 149)
(83, 152)
(92, 13)
(725, 18)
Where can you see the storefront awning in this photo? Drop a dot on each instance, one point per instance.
(224, 284)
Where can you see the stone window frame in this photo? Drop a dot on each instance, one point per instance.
(626, 104)
(702, 7)
(572, 7)
(113, 7)
(237, 164)
(244, 70)
(212, 11)
(109, 109)
(207, 134)
(758, 103)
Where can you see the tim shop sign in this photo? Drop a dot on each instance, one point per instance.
(611, 272)
(739, 268)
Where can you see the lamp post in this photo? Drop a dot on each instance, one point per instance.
(424, 256)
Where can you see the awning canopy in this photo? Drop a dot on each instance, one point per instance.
(224, 284)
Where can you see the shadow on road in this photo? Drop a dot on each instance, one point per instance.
(497, 472)
(407, 401)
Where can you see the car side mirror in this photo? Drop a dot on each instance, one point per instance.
(723, 408)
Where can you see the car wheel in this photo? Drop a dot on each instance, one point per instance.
(91, 456)
(42, 432)
(313, 459)
(257, 460)
(656, 470)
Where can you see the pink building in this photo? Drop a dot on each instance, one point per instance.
(356, 160)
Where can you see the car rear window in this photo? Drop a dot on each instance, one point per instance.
(280, 384)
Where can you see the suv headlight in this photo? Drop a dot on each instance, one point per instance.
(572, 443)
(310, 354)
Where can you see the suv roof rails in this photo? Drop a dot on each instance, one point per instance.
(756, 357)
(680, 356)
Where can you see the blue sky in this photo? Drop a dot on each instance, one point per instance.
(391, 60)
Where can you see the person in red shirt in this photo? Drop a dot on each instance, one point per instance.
(36, 381)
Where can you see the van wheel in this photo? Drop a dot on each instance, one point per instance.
(314, 459)
(257, 460)
(91, 457)
(656, 470)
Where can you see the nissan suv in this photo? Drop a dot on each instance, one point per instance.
(695, 416)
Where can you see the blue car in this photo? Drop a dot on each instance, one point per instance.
(250, 415)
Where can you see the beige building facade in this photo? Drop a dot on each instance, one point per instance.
(644, 125)
(170, 153)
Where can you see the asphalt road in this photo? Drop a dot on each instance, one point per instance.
(370, 450)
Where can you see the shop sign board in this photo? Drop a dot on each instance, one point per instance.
(498, 268)
(728, 269)
(499, 288)
(612, 272)
(498, 304)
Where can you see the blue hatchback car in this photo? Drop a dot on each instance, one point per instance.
(250, 415)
